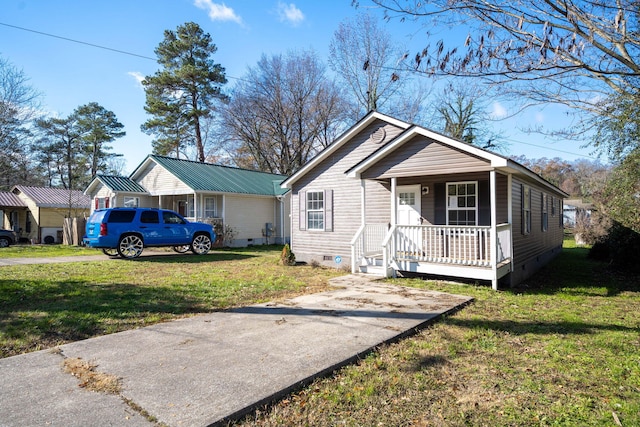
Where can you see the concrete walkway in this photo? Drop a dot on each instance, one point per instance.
(210, 368)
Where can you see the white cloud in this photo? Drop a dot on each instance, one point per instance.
(218, 11)
(290, 13)
(138, 76)
(498, 111)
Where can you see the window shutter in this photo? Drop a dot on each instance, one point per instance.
(328, 210)
(106, 202)
(484, 203)
(522, 216)
(97, 203)
(440, 197)
(302, 199)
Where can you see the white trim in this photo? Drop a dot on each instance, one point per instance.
(495, 160)
(348, 135)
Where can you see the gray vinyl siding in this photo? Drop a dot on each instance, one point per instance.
(531, 251)
(309, 245)
(422, 154)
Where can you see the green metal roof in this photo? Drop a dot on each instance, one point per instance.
(121, 184)
(225, 179)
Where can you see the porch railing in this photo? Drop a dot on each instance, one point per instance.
(454, 245)
(366, 242)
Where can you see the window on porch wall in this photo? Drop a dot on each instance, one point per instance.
(209, 207)
(462, 203)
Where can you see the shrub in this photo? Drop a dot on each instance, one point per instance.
(620, 247)
(287, 257)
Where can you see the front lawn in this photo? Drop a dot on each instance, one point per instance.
(45, 305)
(562, 350)
(45, 251)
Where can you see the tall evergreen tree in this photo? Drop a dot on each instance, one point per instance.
(183, 93)
(98, 127)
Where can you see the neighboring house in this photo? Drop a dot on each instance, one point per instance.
(249, 203)
(573, 208)
(388, 197)
(37, 213)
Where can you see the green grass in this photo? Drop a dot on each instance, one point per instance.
(37, 251)
(45, 305)
(561, 350)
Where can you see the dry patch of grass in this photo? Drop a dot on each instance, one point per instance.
(90, 379)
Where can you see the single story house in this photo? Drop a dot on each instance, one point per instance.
(389, 197)
(37, 213)
(249, 205)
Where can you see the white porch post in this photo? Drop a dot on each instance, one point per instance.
(493, 236)
(394, 208)
(510, 214)
(363, 199)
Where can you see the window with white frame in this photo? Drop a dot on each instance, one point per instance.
(209, 207)
(131, 202)
(101, 202)
(408, 199)
(315, 210)
(526, 209)
(462, 203)
(545, 213)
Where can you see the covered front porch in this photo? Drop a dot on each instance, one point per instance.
(458, 225)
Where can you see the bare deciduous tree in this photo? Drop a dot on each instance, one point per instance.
(363, 54)
(282, 112)
(582, 54)
(18, 106)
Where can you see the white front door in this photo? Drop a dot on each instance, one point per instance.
(408, 203)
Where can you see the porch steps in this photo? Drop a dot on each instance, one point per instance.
(373, 266)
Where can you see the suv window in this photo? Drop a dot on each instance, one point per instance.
(149, 217)
(121, 216)
(171, 218)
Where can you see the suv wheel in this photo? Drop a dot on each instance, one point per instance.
(201, 244)
(110, 251)
(4, 242)
(130, 246)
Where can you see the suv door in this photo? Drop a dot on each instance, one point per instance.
(176, 229)
(151, 227)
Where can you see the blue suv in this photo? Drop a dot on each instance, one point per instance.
(126, 231)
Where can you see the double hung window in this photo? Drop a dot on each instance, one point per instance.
(462, 203)
(315, 210)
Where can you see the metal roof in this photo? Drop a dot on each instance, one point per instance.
(47, 197)
(224, 179)
(10, 200)
(121, 184)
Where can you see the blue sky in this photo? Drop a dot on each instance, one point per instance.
(71, 74)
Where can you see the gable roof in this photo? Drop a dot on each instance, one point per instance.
(201, 176)
(341, 140)
(495, 160)
(47, 197)
(117, 184)
(10, 200)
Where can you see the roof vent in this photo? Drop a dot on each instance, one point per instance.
(378, 135)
